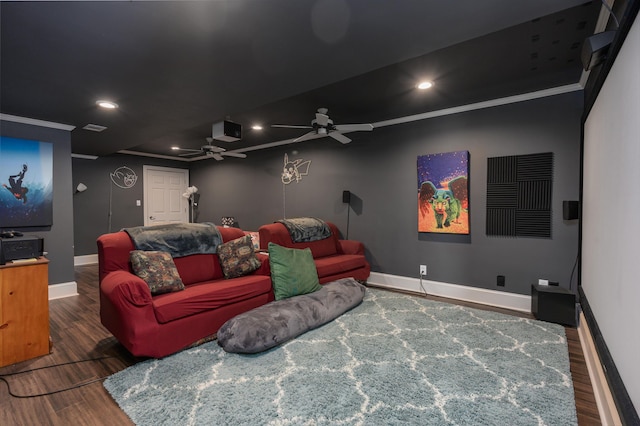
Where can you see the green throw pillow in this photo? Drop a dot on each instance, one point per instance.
(293, 271)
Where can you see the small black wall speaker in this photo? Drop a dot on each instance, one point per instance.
(346, 197)
(569, 210)
(595, 49)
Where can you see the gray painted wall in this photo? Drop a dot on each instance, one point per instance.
(91, 207)
(57, 239)
(379, 168)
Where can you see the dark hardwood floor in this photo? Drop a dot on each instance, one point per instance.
(78, 335)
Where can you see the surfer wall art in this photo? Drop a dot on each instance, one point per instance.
(26, 176)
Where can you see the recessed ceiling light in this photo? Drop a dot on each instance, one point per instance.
(256, 127)
(107, 104)
(424, 85)
(175, 148)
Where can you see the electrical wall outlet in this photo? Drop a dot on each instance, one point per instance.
(543, 282)
(500, 280)
(423, 270)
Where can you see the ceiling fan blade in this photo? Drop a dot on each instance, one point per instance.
(287, 126)
(307, 136)
(235, 154)
(339, 137)
(218, 157)
(190, 152)
(213, 148)
(354, 127)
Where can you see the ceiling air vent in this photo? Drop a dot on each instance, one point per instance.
(94, 127)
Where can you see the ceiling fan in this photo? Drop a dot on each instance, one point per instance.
(210, 150)
(323, 126)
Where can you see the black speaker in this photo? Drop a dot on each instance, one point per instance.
(346, 197)
(569, 210)
(595, 49)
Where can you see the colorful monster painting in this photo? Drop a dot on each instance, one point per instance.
(26, 176)
(443, 192)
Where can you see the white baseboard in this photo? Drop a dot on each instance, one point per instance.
(501, 299)
(601, 391)
(88, 259)
(58, 291)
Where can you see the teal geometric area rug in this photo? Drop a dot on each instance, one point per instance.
(395, 359)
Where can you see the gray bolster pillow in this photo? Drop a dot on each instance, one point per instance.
(269, 325)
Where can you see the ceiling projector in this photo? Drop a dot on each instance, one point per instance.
(226, 131)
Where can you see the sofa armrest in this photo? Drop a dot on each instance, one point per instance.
(350, 247)
(265, 267)
(126, 310)
(123, 287)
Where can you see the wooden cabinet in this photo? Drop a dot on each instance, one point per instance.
(24, 311)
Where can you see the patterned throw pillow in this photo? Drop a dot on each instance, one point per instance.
(255, 239)
(237, 257)
(157, 269)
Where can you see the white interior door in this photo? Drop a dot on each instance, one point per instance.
(163, 200)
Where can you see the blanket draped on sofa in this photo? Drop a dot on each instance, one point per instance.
(179, 239)
(306, 229)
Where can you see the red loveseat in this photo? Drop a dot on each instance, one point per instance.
(334, 258)
(157, 326)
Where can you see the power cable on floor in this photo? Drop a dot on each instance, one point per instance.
(2, 378)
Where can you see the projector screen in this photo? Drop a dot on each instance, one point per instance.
(611, 212)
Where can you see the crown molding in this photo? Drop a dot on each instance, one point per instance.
(36, 122)
(482, 105)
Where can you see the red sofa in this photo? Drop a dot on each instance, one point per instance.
(156, 326)
(334, 258)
